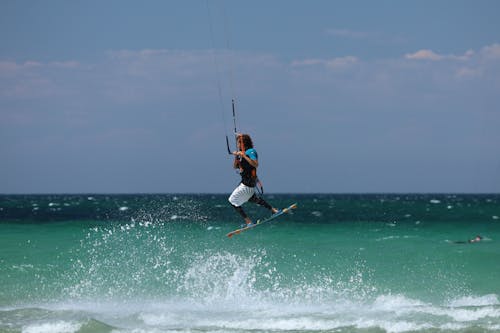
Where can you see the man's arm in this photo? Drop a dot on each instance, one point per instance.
(254, 163)
(236, 162)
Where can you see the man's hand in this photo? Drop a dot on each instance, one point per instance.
(238, 153)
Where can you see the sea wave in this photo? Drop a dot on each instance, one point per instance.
(387, 313)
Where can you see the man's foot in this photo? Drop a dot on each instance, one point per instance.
(275, 210)
(248, 223)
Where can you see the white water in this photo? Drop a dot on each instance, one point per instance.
(389, 313)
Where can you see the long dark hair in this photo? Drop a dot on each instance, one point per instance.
(247, 141)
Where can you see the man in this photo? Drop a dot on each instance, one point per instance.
(476, 239)
(246, 160)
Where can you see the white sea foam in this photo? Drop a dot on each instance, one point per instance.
(461, 315)
(389, 326)
(261, 313)
(389, 313)
(395, 302)
(52, 327)
(490, 299)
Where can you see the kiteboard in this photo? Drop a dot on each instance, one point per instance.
(260, 222)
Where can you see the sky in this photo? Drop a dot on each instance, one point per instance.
(338, 96)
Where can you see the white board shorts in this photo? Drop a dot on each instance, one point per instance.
(241, 194)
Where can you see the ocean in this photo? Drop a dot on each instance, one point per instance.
(162, 263)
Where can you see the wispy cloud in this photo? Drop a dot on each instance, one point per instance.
(473, 64)
(35, 79)
(333, 63)
(159, 74)
(491, 51)
(467, 72)
(342, 62)
(426, 54)
(12, 66)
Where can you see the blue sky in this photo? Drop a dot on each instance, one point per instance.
(339, 96)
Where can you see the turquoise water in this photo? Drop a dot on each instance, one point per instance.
(162, 263)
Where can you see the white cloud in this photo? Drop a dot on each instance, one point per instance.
(424, 55)
(427, 54)
(11, 66)
(307, 62)
(473, 64)
(491, 51)
(334, 63)
(158, 74)
(342, 62)
(31, 64)
(467, 72)
(466, 56)
(34, 79)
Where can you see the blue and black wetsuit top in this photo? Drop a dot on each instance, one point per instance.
(248, 173)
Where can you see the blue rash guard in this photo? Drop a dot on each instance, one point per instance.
(252, 153)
